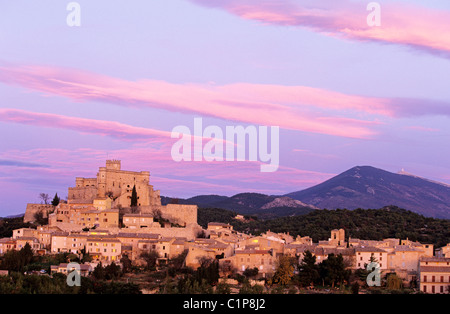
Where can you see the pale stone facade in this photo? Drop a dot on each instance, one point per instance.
(263, 260)
(435, 275)
(137, 221)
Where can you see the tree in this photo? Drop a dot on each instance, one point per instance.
(11, 261)
(157, 215)
(332, 270)
(85, 256)
(134, 197)
(126, 263)
(223, 288)
(284, 271)
(251, 272)
(44, 197)
(39, 218)
(112, 271)
(26, 254)
(150, 258)
(394, 282)
(308, 270)
(17, 260)
(56, 200)
(99, 272)
(247, 288)
(208, 271)
(355, 288)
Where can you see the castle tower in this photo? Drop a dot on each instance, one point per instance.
(338, 237)
(113, 164)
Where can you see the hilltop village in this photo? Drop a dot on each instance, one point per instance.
(118, 213)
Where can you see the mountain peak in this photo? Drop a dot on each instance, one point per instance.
(370, 187)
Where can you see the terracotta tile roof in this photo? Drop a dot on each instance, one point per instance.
(435, 269)
(252, 252)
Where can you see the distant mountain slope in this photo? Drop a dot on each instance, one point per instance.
(369, 187)
(262, 205)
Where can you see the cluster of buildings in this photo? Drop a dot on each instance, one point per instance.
(409, 260)
(98, 220)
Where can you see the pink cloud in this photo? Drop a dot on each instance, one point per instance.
(289, 107)
(403, 24)
(100, 127)
(422, 128)
(179, 179)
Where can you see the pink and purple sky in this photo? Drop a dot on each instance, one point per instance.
(342, 93)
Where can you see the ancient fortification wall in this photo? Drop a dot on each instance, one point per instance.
(176, 213)
(190, 231)
(32, 209)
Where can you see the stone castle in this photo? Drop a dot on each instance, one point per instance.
(117, 184)
(109, 193)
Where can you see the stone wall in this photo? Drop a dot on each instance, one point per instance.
(84, 194)
(190, 232)
(175, 213)
(32, 209)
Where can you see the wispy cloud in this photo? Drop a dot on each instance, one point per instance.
(83, 125)
(404, 24)
(290, 107)
(422, 128)
(179, 179)
(16, 163)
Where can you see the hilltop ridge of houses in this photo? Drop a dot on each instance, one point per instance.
(410, 260)
(118, 213)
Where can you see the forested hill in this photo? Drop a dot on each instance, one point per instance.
(367, 224)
